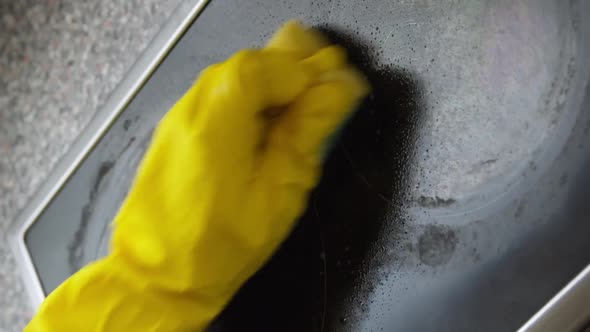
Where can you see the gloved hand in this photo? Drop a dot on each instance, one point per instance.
(227, 175)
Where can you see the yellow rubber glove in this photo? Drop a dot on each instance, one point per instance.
(227, 175)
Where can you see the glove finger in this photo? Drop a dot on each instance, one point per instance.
(293, 38)
(297, 140)
(247, 83)
(258, 79)
(328, 59)
(228, 107)
(297, 39)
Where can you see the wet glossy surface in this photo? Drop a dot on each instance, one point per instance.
(454, 200)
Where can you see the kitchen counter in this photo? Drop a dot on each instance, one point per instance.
(59, 60)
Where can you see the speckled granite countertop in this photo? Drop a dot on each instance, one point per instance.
(59, 60)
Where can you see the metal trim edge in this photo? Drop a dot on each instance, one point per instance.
(566, 311)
